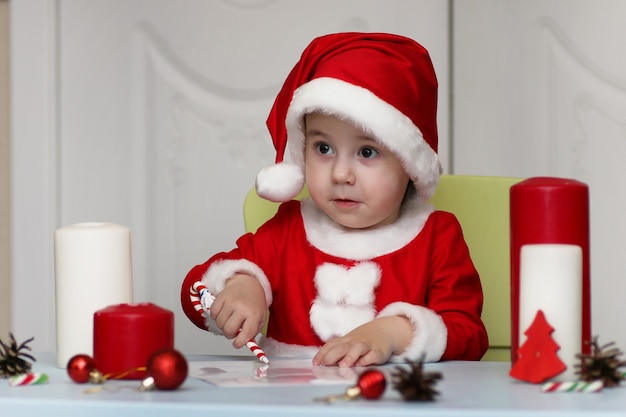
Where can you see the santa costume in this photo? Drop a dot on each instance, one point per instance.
(321, 280)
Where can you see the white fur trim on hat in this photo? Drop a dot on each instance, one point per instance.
(430, 334)
(367, 111)
(280, 182)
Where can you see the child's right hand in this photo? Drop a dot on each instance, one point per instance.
(240, 310)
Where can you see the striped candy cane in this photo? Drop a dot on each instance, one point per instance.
(573, 386)
(27, 379)
(202, 299)
(254, 348)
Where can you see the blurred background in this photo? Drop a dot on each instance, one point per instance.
(151, 114)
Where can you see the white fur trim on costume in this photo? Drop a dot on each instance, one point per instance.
(367, 111)
(280, 182)
(344, 299)
(361, 244)
(273, 347)
(430, 334)
(220, 271)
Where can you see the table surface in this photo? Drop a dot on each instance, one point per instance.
(466, 389)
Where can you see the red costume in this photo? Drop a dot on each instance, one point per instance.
(322, 283)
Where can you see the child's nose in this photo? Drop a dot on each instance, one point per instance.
(342, 172)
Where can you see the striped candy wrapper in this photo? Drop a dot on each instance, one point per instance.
(28, 379)
(573, 386)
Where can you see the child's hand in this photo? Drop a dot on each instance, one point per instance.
(371, 343)
(240, 310)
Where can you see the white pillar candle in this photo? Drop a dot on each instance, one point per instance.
(93, 269)
(551, 281)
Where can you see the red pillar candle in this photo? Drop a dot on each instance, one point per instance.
(125, 335)
(549, 210)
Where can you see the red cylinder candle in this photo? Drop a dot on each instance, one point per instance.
(125, 335)
(549, 210)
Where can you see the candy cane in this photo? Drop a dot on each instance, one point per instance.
(256, 349)
(27, 379)
(574, 386)
(202, 300)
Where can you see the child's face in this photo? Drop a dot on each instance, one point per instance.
(351, 177)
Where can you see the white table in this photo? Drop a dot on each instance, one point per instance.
(467, 389)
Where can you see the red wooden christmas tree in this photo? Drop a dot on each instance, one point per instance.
(538, 360)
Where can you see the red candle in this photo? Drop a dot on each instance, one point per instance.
(549, 210)
(125, 335)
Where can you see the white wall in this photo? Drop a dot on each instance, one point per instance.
(151, 113)
(540, 89)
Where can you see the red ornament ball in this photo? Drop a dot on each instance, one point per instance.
(79, 367)
(168, 367)
(372, 384)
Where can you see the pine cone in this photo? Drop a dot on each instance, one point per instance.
(415, 384)
(601, 364)
(11, 362)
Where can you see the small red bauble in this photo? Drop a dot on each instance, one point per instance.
(79, 367)
(372, 384)
(168, 368)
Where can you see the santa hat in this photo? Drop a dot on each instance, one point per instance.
(385, 84)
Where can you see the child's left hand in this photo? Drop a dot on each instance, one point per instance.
(371, 343)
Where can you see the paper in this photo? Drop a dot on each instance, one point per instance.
(247, 373)
(551, 281)
(92, 270)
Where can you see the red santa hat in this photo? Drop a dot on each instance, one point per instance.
(383, 83)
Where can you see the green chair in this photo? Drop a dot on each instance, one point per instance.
(481, 204)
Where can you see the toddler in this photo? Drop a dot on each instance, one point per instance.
(364, 271)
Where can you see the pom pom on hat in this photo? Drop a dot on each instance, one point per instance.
(280, 182)
(384, 84)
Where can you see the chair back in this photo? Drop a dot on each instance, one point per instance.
(481, 204)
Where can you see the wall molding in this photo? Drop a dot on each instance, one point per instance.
(34, 179)
(5, 191)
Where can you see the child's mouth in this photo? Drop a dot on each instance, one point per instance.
(345, 203)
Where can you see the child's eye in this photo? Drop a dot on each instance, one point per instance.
(368, 152)
(323, 148)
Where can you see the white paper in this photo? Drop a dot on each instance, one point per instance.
(551, 281)
(250, 372)
(93, 270)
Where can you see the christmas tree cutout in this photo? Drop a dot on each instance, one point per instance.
(538, 361)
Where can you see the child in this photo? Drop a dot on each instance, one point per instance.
(364, 271)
